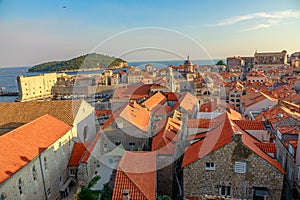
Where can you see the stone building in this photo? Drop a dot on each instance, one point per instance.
(84, 161)
(36, 87)
(34, 159)
(256, 76)
(136, 177)
(270, 60)
(128, 126)
(256, 102)
(76, 113)
(228, 163)
(236, 61)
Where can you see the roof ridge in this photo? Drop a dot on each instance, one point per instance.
(29, 123)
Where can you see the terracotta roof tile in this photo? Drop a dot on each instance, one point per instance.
(137, 173)
(214, 105)
(290, 130)
(221, 136)
(156, 99)
(24, 112)
(77, 153)
(22, 145)
(99, 113)
(136, 115)
(277, 114)
(293, 142)
(267, 147)
(164, 141)
(250, 124)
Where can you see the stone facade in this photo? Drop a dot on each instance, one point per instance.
(87, 170)
(273, 60)
(121, 131)
(51, 173)
(198, 181)
(36, 87)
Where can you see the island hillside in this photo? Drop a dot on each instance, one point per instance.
(91, 61)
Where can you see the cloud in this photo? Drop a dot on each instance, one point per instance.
(271, 18)
(267, 24)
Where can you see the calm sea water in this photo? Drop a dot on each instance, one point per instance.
(8, 76)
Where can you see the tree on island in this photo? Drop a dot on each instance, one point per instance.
(220, 62)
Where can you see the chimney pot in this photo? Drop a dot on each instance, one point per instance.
(125, 194)
(237, 136)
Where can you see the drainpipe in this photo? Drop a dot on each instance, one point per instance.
(43, 178)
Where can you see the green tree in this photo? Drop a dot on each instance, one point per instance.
(106, 193)
(220, 62)
(163, 197)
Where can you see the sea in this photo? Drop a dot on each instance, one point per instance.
(8, 76)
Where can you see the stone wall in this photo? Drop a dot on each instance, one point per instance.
(52, 177)
(197, 181)
(121, 131)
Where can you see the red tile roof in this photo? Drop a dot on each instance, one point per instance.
(156, 99)
(77, 152)
(90, 148)
(250, 124)
(164, 141)
(187, 102)
(133, 113)
(253, 98)
(137, 173)
(277, 114)
(290, 130)
(267, 147)
(136, 115)
(171, 96)
(221, 136)
(99, 113)
(132, 91)
(22, 145)
(24, 112)
(201, 123)
(214, 105)
(293, 142)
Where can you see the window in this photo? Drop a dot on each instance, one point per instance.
(240, 167)
(117, 143)
(3, 196)
(225, 191)
(20, 186)
(210, 166)
(131, 144)
(45, 163)
(72, 171)
(85, 133)
(48, 192)
(34, 173)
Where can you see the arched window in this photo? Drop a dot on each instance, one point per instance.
(34, 173)
(20, 186)
(45, 163)
(3, 196)
(85, 133)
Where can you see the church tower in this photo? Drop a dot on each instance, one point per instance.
(188, 65)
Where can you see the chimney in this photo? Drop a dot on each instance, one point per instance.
(237, 136)
(125, 194)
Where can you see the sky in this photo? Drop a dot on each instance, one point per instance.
(33, 32)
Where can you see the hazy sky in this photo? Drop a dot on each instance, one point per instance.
(32, 32)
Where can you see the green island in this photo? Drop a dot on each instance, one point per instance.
(86, 62)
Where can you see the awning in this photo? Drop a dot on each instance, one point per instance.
(66, 184)
(261, 192)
